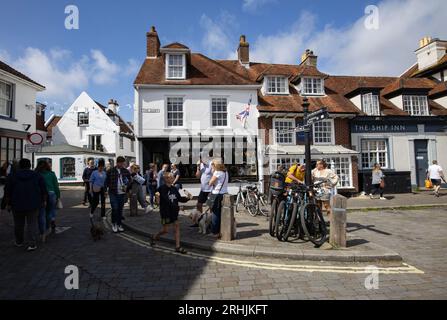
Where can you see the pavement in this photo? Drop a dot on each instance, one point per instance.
(125, 267)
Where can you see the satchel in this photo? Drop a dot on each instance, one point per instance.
(59, 204)
(213, 196)
(382, 184)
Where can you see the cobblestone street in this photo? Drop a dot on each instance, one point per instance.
(125, 267)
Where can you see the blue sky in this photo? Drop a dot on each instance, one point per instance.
(104, 55)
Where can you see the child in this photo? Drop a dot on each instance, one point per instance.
(169, 197)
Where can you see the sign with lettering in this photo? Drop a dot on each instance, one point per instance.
(383, 127)
(151, 110)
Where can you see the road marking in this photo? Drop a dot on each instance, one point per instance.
(404, 269)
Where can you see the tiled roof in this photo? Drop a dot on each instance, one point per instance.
(11, 70)
(415, 72)
(408, 83)
(175, 45)
(201, 71)
(53, 122)
(124, 127)
(439, 90)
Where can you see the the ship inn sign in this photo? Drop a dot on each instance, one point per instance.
(383, 127)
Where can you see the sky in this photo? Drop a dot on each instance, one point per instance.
(104, 55)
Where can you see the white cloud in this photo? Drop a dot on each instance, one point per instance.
(219, 40)
(132, 68)
(104, 71)
(254, 5)
(355, 49)
(4, 56)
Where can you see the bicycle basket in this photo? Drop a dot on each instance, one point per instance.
(277, 183)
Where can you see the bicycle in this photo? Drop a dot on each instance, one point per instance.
(287, 209)
(251, 199)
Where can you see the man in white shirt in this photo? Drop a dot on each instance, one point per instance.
(435, 174)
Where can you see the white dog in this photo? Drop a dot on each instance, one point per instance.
(205, 222)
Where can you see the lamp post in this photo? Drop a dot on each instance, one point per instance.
(307, 154)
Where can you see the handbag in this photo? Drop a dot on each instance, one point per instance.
(59, 204)
(382, 184)
(428, 184)
(213, 196)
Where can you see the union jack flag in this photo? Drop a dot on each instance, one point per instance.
(242, 116)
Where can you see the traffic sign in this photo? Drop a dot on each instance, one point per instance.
(35, 138)
(30, 148)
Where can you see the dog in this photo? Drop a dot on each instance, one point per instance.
(194, 216)
(96, 232)
(204, 222)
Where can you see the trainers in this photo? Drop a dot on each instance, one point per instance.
(115, 228)
(18, 245)
(382, 198)
(31, 248)
(120, 229)
(104, 218)
(147, 209)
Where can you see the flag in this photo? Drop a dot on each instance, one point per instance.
(242, 116)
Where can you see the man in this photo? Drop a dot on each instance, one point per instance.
(435, 174)
(160, 175)
(25, 194)
(117, 180)
(296, 174)
(86, 178)
(205, 173)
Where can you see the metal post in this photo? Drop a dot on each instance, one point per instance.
(307, 142)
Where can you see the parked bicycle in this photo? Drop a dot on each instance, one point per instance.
(249, 197)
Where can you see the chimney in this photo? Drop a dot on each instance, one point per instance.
(309, 59)
(243, 52)
(153, 43)
(430, 51)
(112, 106)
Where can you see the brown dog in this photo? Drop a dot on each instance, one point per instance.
(95, 231)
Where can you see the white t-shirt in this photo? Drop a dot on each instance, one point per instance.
(221, 186)
(205, 178)
(120, 183)
(434, 172)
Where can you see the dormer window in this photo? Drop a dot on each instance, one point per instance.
(370, 104)
(175, 66)
(312, 86)
(415, 105)
(277, 85)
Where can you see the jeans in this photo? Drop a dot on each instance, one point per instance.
(217, 210)
(375, 188)
(48, 214)
(95, 202)
(141, 197)
(151, 192)
(87, 196)
(31, 226)
(117, 203)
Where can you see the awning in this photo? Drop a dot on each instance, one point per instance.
(315, 150)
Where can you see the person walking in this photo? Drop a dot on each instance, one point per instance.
(160, 175)
(176, 173)
(377, 182)
(151, 183)
(219, 182)
(117, 180)
(169, 198)
(25, 194)
(436, 175)
(97, 189)
(136, 191)
(329, 179)
(47, 215)
(86, 178)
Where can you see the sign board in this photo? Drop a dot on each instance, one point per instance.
(151, 110)
(29, 148)
(35, 138)
(383, 127)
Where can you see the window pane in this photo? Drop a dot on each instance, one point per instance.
(374, 151)
(68, 168)
(175, 112)
(323, 132)
(282, 125)
(219, 112)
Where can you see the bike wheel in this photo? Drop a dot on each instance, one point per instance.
(263, 208)
(272, 220)
(293, 225)
(252, 204)
(313, 224)
(282, 219)
(238, 202)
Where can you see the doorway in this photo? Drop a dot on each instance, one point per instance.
(421, 153)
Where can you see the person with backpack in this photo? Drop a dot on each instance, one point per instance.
(25, 194)
(296, 174)
(151, 183)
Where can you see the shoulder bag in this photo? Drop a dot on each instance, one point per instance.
(213, 196)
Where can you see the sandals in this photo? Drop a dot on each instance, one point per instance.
(180, 250)
(152, 241)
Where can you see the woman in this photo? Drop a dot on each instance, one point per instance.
(176, 173)
(3, 175)
(377, 182)
(219, 182)
(330, 180)
(136, 186)
(97, 189)
(151, 183)
(47, 216)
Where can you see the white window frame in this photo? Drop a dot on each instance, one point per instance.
(9, 100)
(371, 104)
(183, 65)
(220, 112)
(121, 141)
(315, 90)
(275, 80)
(275, 130)
(377, 151)
(329, 160)
(332, 142)
(79, 119)
(167, 111)
(95, 144)
(410, 103)
(285, 161)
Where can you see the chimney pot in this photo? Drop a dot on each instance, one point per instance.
(309, 58)
(243, 51)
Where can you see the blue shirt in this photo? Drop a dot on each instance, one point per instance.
(98, 178)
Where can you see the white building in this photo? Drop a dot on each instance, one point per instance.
(186, 105)
(17, 112)
(87, 125)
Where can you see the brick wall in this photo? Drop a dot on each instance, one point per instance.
(265, 124)
(342, 132)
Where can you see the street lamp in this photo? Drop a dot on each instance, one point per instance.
(307, 154)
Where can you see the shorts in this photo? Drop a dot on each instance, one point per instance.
(203, 196)
(169, 220)
(436, 182)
